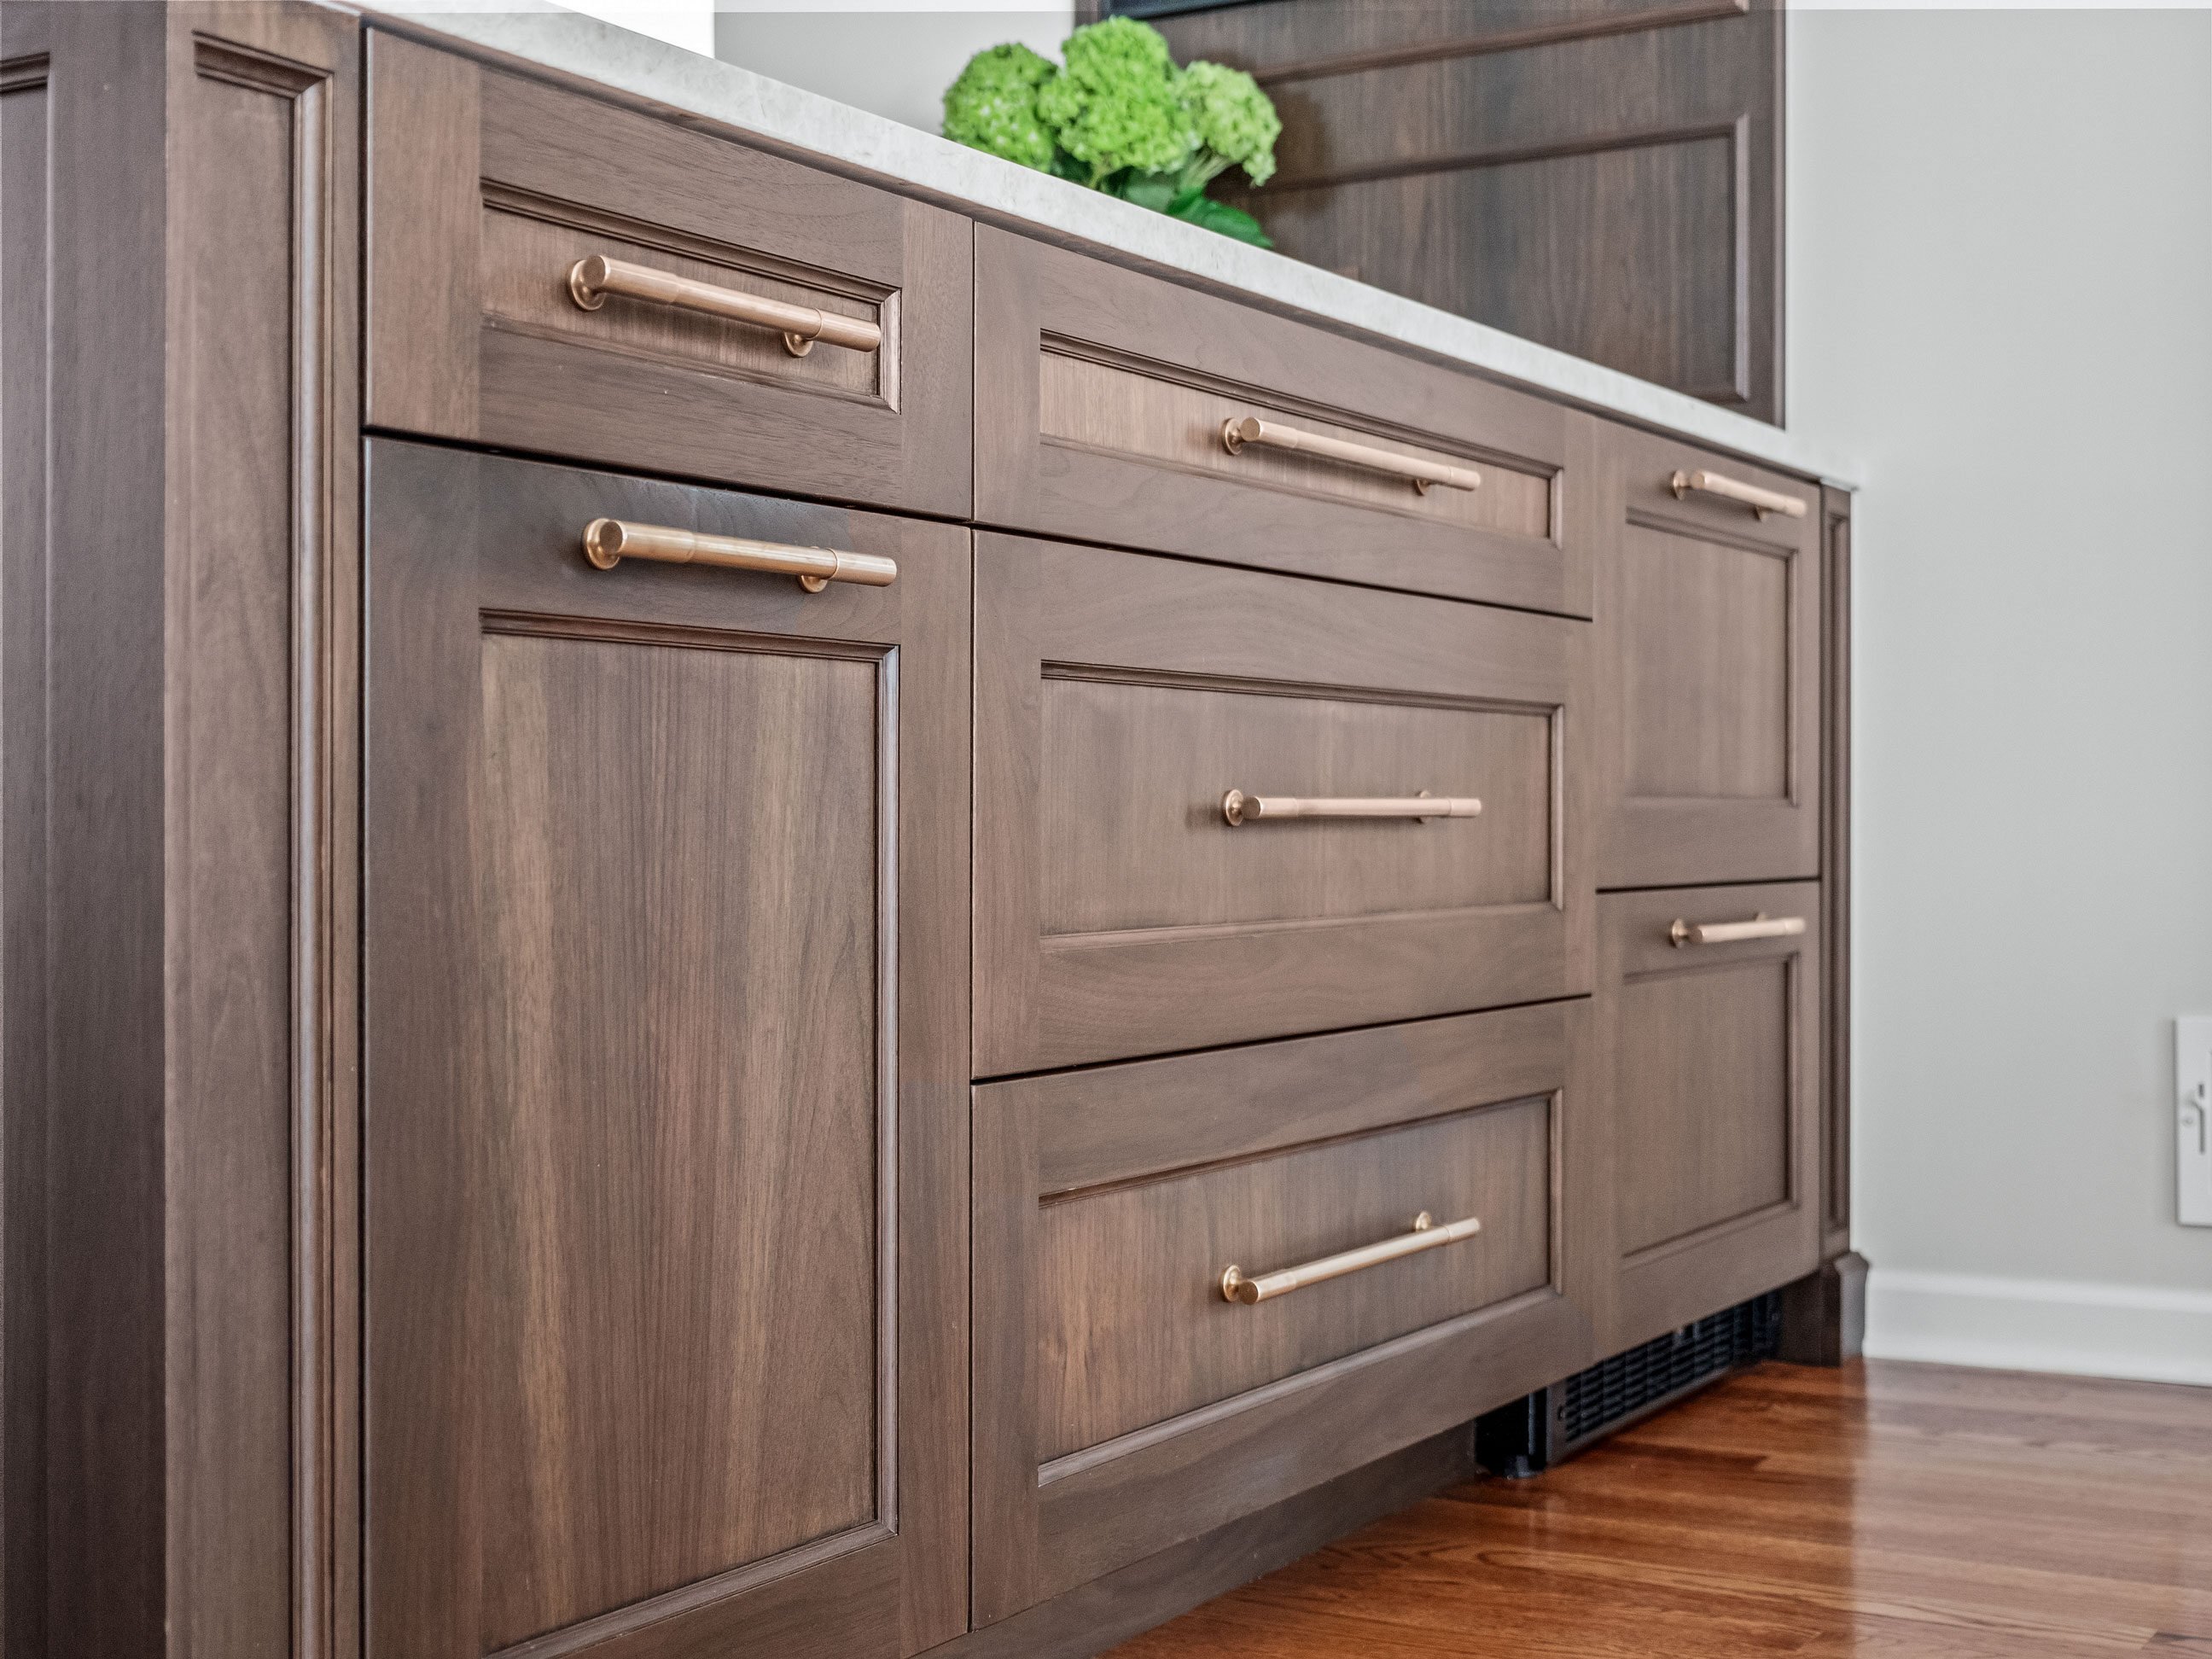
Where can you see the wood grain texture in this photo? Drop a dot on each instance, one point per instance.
(1093, 1461)
(1713, 1058)
(1836, 873)
(1097, 379)
(1119, 697)
(487, 186)
(1877, 1509)
(1710, 675)
(1507, 159)
(637, 1312)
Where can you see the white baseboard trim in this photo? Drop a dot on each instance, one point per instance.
(2040, 1325)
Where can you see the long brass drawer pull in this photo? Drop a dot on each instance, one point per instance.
(1239, 808)
(1425, 1236)
(590, 282)
(608, 542)
(1761, 501)
(1272, 435)
(1734, 932)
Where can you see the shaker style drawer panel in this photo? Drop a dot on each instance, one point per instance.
(1709, 620)
(1119, 407)
(552, 272)
(665, 870)
(1200, 805)
(1709, 1011)
(1203, 1283)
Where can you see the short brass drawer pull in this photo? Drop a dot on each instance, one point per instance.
(1425, 1236)
(590, 282)
(1734, 932)
(1240, 808)
(1272, 435)
(1761, 501)
(608, 542)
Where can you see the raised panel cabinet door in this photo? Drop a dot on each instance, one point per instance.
(1131, 899)
(490, 197)
(1125, 1402)
(1709, 1017)
(1116, 406)
(1710, 668)
(666, 1128)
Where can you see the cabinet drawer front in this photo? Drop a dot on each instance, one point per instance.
(1130, 1399)
(1710, 654)
(653, 1339)
(1713, 1053)
(1108, 393)
(489, 195)
(1122, 699)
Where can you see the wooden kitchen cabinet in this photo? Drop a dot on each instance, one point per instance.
(1711, 1062)
(1710, 668)
(665, 1123)
(1122, 699)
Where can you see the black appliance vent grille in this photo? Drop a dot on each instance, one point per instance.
(1623, 1385)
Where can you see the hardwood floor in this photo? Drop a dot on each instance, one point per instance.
(1883, 1510)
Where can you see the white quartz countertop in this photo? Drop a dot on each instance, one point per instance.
(645, 68)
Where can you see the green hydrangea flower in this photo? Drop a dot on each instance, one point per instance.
(1235, 123)
(992, 106)
(1115, 104)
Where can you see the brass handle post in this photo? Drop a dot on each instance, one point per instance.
(1761, 501)
(1239, 808)
(1236, 1286)
(1734, 932)
(1238, 431)
(608, 542)
(590, 282)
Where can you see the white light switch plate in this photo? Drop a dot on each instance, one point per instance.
(2192, 1123)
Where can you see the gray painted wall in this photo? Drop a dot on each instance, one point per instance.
(2000, 294)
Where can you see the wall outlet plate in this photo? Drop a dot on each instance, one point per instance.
(2192, 1120)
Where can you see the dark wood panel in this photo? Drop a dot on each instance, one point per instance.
(1104, 394)
(1055, 1296)
(1836, 871)
(1880, 1508)
(1710, 674)
(638, 857)
(1513, 161)
(488, 186)
(1120, 914)
(1713, 1058)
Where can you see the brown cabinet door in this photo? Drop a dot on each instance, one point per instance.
(1104, 393)
(1124, 1403)
(665, 1131)
(1120, 699)
(486, 190)
(1712, 1056)
(1708, 669)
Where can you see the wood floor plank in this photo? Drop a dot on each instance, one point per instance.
(1878, 1511)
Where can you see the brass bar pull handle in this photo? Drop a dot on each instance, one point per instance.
(1425, 1236)
(1239, 808)
(1235, 433)
(608, 542)
(1734, 932)
(590, 282)
(1761, 501)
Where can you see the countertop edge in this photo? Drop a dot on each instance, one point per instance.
(573, 44)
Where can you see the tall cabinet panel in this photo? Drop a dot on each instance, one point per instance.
(666, 882)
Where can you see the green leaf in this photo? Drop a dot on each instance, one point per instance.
(1220, 217)
(1156, 190)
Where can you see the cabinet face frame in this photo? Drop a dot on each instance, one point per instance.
(456, 146)
(463, 548)
(1042, 607)
(1042, 1528)
(1671, 1281)
(1654, 841)
(1035, 302)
